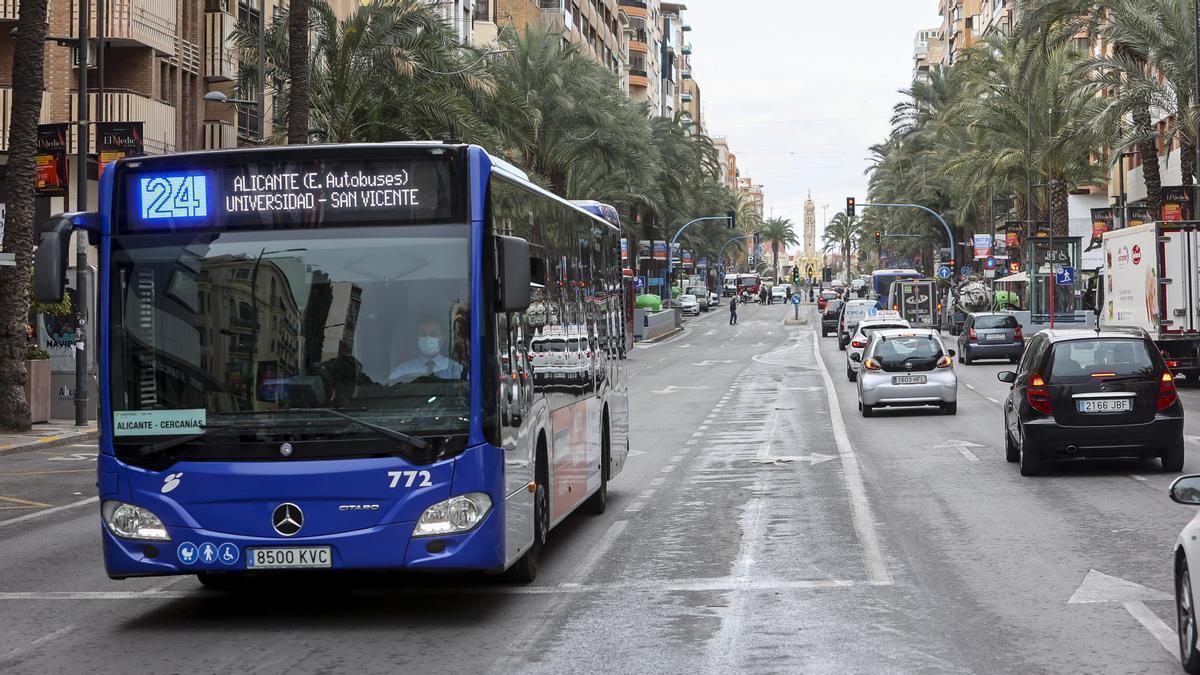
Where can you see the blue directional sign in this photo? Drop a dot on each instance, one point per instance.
(944, 272)
(795, 299)
(989, 263)
(965, 271)
(1064, 276)
(639, 283)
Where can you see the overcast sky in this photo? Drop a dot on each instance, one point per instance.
(801, 88)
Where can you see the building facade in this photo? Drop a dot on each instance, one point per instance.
(928, 52)
(595, 25)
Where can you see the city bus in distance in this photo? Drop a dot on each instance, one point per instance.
(881, 282)
(328, 356)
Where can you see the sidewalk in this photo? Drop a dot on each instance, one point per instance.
(48, 435)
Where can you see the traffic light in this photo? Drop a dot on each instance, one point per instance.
(878, 237)
(850, 207)
(732, 224)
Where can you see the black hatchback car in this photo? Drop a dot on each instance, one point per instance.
(1083, 393)
(830, 316)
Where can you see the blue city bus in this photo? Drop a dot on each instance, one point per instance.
(881, 282)
(347, 357)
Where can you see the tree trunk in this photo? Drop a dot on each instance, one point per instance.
(1148, 149)
(775, 259)
(298, 72)
(1187, 159)
(28, 56)
(1059, 198)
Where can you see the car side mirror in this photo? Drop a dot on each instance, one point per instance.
(1186, 490)
(1006, 376)
(951, 352)
(515, 273)
(856, 357)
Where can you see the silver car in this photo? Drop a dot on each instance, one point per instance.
(858, 341)
(907, 368)
(689, 304)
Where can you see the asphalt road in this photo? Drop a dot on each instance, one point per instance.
(761, 525)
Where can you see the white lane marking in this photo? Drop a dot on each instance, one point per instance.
(1157, 627)
(34, 644)
(636, 506)
(677, 458)
(970, 456)
(658, 481)
(860, 506)
(969, 386)
(645, 494)
(56, 509)
(711, 585)
(691, 441)
(685, 450)
(599, 551)
(668, 468)
(697, 434)
(1137, 477)
(992, 400)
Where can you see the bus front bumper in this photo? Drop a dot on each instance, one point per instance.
(389, 546)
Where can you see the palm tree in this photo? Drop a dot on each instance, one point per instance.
(778, 232)
(27, 79)
(298, 70)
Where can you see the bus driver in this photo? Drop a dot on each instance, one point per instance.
(432, 360)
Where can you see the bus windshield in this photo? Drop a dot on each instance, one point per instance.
(275, 328)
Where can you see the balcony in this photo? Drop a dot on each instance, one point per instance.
(135, 22)
(687, 49)
(634, 8)
(220, 59)
(9, 9)
(686, 75)
(685, 98)
(639, 78)
(6, 114)
(638, 47)
(158, 118)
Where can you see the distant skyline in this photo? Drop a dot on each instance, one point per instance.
(801, 88)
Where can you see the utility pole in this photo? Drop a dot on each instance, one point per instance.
(1196, 193)
(82, 141)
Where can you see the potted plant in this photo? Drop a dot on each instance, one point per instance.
(37, 384)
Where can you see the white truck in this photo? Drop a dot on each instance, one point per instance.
(1150, 281)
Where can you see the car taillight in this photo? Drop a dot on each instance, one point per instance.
(971, 334)
(871, 364)
(859, 344)
(1038, 396)
(945, 362)
(1172, 364)
(1017, 335)
(1166, 393)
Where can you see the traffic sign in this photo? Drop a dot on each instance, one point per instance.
(989, 263)
(965, 271)
(1064, 276)
(944, 272)
(796, 299)
(639, 283)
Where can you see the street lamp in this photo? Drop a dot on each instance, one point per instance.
(220, 97)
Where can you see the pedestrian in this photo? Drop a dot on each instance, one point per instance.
(733, 303)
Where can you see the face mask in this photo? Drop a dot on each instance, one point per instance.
(429, 346)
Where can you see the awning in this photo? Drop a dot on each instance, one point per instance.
(1013, 278)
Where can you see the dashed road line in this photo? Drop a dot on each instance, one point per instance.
(34, 644)
(668, 468)
(56, 509)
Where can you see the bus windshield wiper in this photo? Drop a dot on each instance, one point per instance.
(418, 443)
(209, 431)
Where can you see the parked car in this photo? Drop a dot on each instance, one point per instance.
(830, 315)
(689, 304)
(780, 293)
(1081, 393)
(701, 295)
(866, 328)
(714, 299)
(907, 368)
(1186, 490)
(990, 335)
(825, 297)
(853, 312)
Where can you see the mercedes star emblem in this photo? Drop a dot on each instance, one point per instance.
(286, 449)
(287, 519)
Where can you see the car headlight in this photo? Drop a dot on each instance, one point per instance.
(457, 514)
(133, 522)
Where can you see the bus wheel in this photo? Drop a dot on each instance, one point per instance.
(599, 500)
(525, 570)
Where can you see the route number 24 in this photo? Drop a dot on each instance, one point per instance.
(409, 478)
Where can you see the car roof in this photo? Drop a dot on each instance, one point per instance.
(897, 332)
(992, 314)
(862, 301)
(894, 319)
(1127, 332)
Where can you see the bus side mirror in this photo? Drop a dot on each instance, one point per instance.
(50, 261)
(514, 273)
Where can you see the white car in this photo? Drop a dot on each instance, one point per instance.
(701, 295)
(779, 293)
(714, 299)
(862, 335)
(689, 304)
(1186, 490)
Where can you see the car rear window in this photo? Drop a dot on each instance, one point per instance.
(920, 350)
(1078, 361)
(833, 306)
(995, 322)
(868, 330)
(828, 295)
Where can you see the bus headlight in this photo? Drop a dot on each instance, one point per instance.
(133, 522)
(457, 514)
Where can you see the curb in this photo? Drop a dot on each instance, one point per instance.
(664, 337)
(50, 442)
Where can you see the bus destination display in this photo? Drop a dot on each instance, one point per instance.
(302, 192)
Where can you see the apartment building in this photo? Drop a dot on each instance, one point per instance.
(927, 52)
(594, 25)
(645, 52)
(961, 27)
(753, 193)
(674, 69)
(727, 161)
